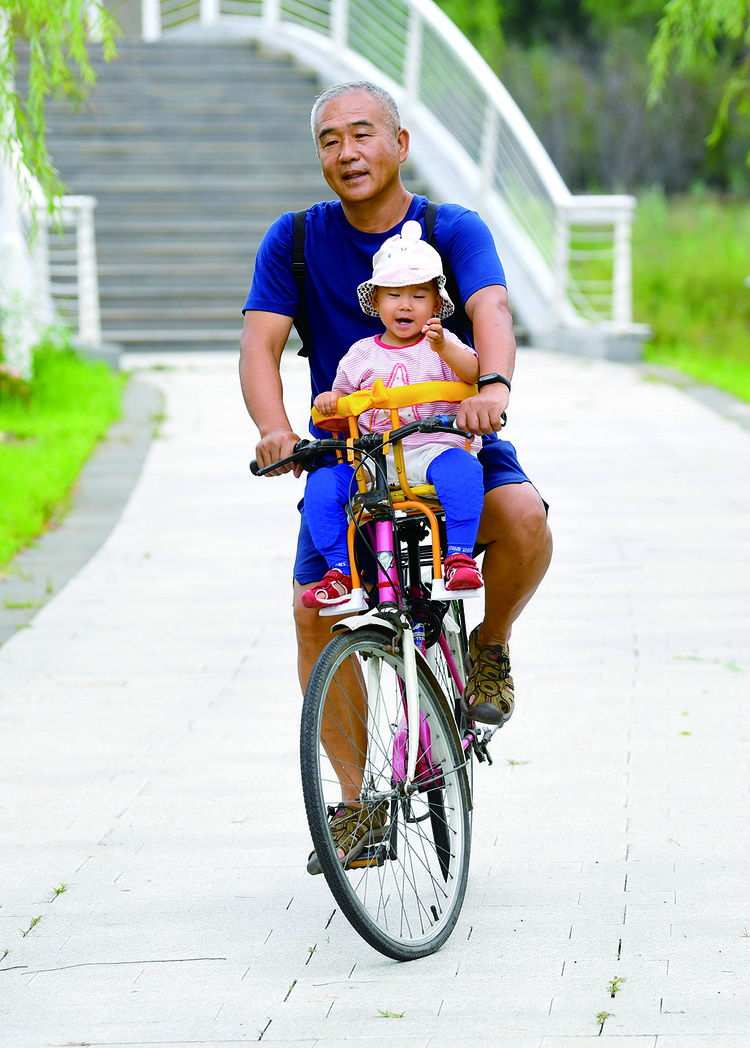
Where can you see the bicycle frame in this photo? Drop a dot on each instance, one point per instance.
(412, 764)
(392, 608)
(381, 719)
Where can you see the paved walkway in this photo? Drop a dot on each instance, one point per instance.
(148, 727)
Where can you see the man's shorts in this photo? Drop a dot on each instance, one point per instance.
(501, 466)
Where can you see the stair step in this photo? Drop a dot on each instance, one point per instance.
(161, 318)
(172, 335)
(192, 151)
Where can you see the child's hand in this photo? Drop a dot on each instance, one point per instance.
(326, 402)
(433, 330)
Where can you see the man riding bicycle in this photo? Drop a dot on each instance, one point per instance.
(361, 147)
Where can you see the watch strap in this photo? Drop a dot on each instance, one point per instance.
(490, 380)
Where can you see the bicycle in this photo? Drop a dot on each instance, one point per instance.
(381, 709)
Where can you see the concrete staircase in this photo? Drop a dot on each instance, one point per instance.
(191, 150)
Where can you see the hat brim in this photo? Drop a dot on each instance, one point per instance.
(365, 290)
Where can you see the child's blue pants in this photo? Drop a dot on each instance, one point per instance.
(455, 474)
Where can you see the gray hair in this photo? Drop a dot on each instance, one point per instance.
(386, 100)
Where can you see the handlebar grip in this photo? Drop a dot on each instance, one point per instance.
(299, 447)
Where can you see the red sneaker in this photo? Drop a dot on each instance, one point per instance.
(461, 573)
(334, 588)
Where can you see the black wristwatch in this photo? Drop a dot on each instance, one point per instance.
(490, 380)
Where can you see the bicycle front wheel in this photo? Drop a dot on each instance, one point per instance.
(402, 893)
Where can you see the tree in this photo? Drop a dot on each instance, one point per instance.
(689, 29)
(57, 34)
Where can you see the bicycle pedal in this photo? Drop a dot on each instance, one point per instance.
(373, 855)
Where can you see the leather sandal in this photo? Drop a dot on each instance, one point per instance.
(488, 696)
(352, 827)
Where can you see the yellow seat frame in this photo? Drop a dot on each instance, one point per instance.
(419, 499)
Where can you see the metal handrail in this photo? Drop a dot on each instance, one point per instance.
(461, 115)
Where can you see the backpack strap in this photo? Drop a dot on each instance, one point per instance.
(299, 273)
(460, 315)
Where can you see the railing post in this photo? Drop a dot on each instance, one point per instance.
(89, 319)
(209, 12)
(413, 57)
(150, 20)
(622, 269)
(93, 20)
(339, 28)
(488, 147)
(40, 257)
(560, 262)
(271, 13)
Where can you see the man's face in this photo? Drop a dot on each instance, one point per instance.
(360, 152)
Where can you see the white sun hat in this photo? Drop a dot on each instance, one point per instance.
(405, 259)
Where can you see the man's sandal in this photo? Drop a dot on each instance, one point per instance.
(488, 695)
(352, 829)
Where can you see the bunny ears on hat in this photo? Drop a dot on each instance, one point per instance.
(405, 259)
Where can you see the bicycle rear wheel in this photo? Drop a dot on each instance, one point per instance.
(404, 892)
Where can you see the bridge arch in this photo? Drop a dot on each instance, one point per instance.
(568, 256)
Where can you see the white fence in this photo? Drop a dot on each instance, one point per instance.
(48, 270)
(65, 253)
(47, 266)
(568, 257)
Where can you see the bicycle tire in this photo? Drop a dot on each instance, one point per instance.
(404, 893)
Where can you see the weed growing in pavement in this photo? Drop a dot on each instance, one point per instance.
(391, 1015)
(615, 985)
(34, 922)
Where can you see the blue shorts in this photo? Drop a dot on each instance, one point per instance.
(501, 466)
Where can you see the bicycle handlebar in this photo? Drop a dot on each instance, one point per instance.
(306, 450)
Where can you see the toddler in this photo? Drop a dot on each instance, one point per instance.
(407, 291)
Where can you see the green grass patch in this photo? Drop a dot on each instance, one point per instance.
(691, 256)
(46, 437)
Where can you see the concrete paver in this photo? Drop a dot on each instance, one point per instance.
(149, 718)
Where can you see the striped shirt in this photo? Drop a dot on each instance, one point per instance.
(370, 359)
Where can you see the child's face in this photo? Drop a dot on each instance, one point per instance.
(405, 310)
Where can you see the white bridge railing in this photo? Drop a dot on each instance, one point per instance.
(49, 272)
(568, 257)
(64, 251)
(48, 266)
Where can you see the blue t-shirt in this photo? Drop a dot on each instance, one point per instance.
(338, 258)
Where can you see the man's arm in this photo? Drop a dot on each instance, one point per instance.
(495, 344)
(262, 342)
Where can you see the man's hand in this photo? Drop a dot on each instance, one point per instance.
(483, 413)
(326, 402)
(277, 444)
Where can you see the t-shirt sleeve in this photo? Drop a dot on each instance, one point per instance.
(349, 371)
(465, 240)
(273, 289)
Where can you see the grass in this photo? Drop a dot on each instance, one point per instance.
(690, 260)
(45, 439)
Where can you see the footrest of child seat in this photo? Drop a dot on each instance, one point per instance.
(439, 592)
(355, 604)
